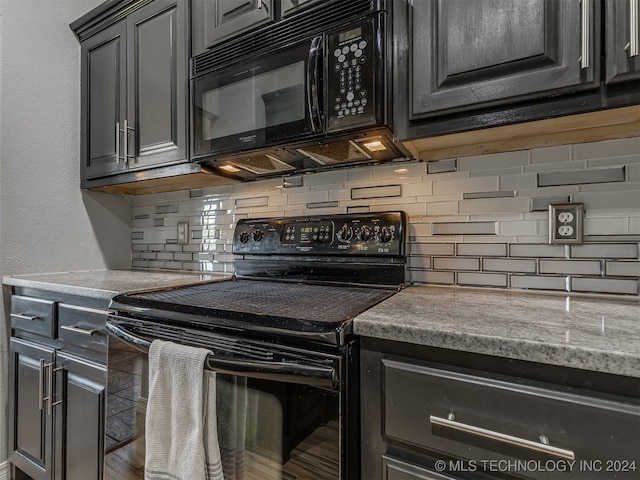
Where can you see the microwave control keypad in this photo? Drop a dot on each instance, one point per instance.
(351, 70)
(352, 98)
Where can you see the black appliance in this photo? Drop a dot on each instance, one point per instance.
(282, 328)
(309, 92)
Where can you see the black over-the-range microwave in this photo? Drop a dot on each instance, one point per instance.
(306, 93)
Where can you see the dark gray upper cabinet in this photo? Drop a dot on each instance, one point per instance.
(623, 42)
(215, 21)
(157, 73)
(470, 53)
(134, 89)
(104, 101)
(289, 7)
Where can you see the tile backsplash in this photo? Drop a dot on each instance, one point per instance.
(475, 221)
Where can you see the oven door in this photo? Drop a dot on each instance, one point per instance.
(283, 415)
(267, 101)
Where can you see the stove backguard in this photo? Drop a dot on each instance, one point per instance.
(368, 249)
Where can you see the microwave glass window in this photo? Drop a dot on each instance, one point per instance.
(266, 100)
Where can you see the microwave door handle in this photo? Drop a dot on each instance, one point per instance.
(316, 375)
(313, 83)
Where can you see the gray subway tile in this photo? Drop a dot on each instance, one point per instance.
(539, 282)
(192, 247)
(252, 202)
(442, 166)
(182, 257)
(541, 204)
(571, 267)
(419, 262)
(622, 269)
(509, 265)
(482, 249)
(156, 247)
(452, 263)
(426, 276)
(137, 235)
(535, 250)
(464, 228)
(606, 148)
(376, 192)
(148, 255)
(433, 248)
(158, 222)
(173, 265)
(604, 285)
(482, 279)
(202, 257)
(173, 247)
(579, 177)
(140, 217)
(495, 194)
(173, 208)
(138, 247)
(361, 209)
(605, 251)
(322, 205)
(196, 234)
(140, 264)
(612, 238)
(164, 256)
(195, 193)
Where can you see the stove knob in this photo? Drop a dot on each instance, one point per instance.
(365, 234)
(345, 233)
(258, 235)
(243, 237)
(386, 235)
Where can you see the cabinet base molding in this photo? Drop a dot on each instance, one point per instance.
(4, 471)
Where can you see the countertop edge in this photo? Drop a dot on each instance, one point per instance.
(617, 363)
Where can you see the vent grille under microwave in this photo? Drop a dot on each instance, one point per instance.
(280, 34)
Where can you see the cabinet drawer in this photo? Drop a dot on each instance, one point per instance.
(394, 469)
(82, 326)
(33, 315)
(488, 420)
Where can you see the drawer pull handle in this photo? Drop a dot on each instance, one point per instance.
(76, 329)
(501, 437)
(24, 316)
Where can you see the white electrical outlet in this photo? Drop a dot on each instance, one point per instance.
(183, 232)
(565, 223)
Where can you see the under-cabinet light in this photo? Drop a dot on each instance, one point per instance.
(229, 168)
(375, 146)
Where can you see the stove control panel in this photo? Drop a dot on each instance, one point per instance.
(371, 234)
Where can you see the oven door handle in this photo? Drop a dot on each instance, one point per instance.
(314, 375)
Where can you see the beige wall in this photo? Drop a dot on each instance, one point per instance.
(46, 223)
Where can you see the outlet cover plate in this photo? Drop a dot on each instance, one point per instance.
(566, 223)
(183, 232)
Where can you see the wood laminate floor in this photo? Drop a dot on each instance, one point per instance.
(315, 458)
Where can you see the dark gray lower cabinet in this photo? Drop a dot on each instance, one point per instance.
(484, 417)
(57, 386)
(57, 413)
(30, 428)
(79, 420)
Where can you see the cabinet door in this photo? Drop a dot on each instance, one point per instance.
(215, 21)
(622, 30)
(289, 7)
(104, 97)
(30, 427)
(157, 47)
(79, 440)
(471, 53)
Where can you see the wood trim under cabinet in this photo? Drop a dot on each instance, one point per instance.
(581, 128)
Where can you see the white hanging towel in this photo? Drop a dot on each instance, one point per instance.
(177, 412)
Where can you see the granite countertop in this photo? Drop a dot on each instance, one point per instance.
(580, 331)
(105, 284)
